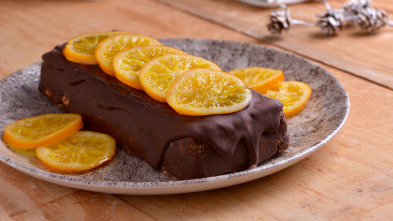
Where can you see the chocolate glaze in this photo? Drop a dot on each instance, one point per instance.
(146, 127)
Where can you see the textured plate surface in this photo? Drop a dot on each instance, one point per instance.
(322, 118)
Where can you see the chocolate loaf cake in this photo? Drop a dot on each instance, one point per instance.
(183, 147)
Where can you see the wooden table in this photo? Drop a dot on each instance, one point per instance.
(349, 178)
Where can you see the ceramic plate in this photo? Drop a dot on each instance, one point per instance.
(322, 118)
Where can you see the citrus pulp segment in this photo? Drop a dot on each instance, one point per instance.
(205, 92)
(293, 94)
(128, 63)
(259, 78)
(157, 75)
(81, 151)
(41, 130)
(81, 48)
(108, 48)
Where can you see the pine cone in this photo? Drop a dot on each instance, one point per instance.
(331, 22)
(354, 6)
(279, 20)
(371, 19)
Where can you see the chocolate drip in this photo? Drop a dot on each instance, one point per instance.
(156, 124)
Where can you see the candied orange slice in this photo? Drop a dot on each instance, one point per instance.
(81, 49)
(80, 151)
(259, 78)
(205, 92)
(128, 63)
(157, 75)
(108, 48)
(293, 94)
(40, 130)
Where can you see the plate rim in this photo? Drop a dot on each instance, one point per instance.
(179, 186)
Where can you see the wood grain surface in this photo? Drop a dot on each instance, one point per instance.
(349, 51)
(349, 178)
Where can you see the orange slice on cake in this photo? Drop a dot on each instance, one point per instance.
(108, 48)
(157, 75)
(81, 48)
(128, 63)
(205, 92)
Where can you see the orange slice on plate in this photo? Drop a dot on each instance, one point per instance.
(81, 48)
(108, 48)
(157, 75)
(40, 130)
(81, 151)
(293, 94)
(205, 92)
(128, 63)
(259, 78)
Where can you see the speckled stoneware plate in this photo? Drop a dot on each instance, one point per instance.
(322, 118)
